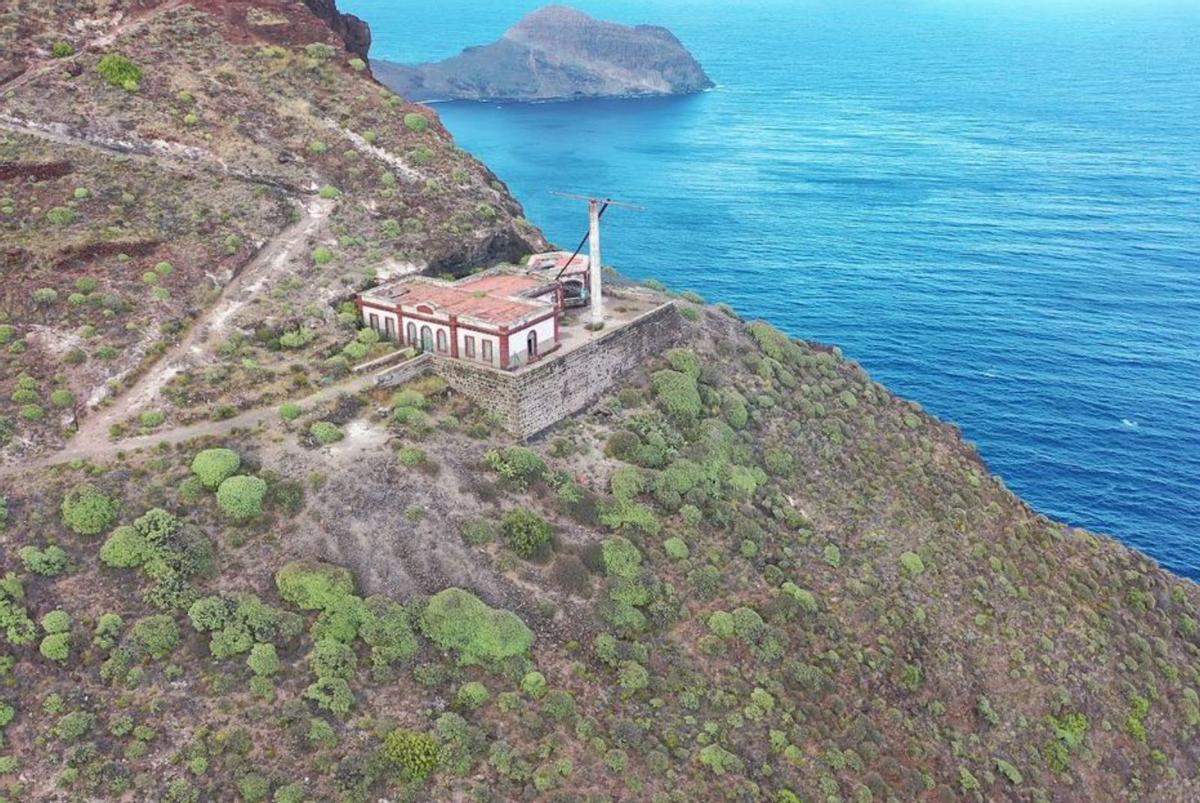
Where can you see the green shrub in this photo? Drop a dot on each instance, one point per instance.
(411, 457)
(152, 419)
(719, 760)
(721, 624)
(478, 532)
(60, 216)
(87, 511)
(253, 788)
(290, 411)
(409, 398)
(621, 558)
(458, 620)
(125, 549)
(387, 628)
(517, 465)
(322, 255)
(314, 586)
(526, 533)
(472, 695)
(803, 597)
(684, 361)
(56, 621)
(416, 122)
(108, 630)
(632, 676)
(74, 726)
(48, 562)
(413, 755)
(120, 71)
(214, 466)
(329, 192)
(62, 398)
(534, 684)
(156, 635)
(241, 497)
(332, 694)
(326, 432)
(62, 50)
(912, 563)
(676, 548)
(297, 338)
(678, 395)
(56, 647)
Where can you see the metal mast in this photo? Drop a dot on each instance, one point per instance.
(596, 209)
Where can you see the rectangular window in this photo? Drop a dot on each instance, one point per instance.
(487, 351)
(469, 346)
(375, 322)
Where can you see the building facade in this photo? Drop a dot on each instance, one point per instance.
(496, 318)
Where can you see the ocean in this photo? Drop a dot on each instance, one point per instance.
(993, 205)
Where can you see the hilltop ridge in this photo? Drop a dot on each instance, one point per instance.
(557, 53)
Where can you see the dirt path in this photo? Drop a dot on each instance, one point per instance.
(195, 348)
(102, 449)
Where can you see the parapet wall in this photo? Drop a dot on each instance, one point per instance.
(540, 395)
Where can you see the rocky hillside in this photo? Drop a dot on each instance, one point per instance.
(557, 53)
(217, 172)
(750, 573)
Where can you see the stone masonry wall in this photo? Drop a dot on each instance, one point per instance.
(540, 395)
(404, 372)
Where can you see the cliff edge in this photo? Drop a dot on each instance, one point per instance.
(556, 53)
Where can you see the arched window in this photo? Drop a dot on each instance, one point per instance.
(411, 337)
(531, 342)
(441, 341)
(426, 339)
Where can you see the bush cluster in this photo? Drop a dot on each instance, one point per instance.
(526, 533)
(88, 511)
(519, 466)
(214, 466)
(120, 71)
(241, 497)
(166, 551)
(413, 755)
(458, 620)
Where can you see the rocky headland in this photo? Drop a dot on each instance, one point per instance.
(556, 53)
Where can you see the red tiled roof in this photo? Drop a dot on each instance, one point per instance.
(501, 284)
(471, 300)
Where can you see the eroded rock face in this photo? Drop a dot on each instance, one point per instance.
(355, 32)
(557, 53)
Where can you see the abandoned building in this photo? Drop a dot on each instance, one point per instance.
(510, 339)
(502, 319)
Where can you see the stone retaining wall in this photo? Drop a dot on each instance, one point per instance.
(540, 395)
(404, 372)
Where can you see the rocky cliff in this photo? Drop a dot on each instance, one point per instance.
(354, 32)
(557, 53)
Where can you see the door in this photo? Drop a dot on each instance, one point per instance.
(390, 325)
(426, 339)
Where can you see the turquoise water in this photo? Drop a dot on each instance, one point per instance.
(995, 207)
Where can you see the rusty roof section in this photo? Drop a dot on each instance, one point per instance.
(490, 299)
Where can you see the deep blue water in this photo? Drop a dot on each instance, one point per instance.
(994, 206)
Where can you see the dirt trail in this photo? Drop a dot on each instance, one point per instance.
(195, 347)
(101, 449)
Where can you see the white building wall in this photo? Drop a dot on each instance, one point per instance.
(480, 337)
(518, 342)
(382, 317)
